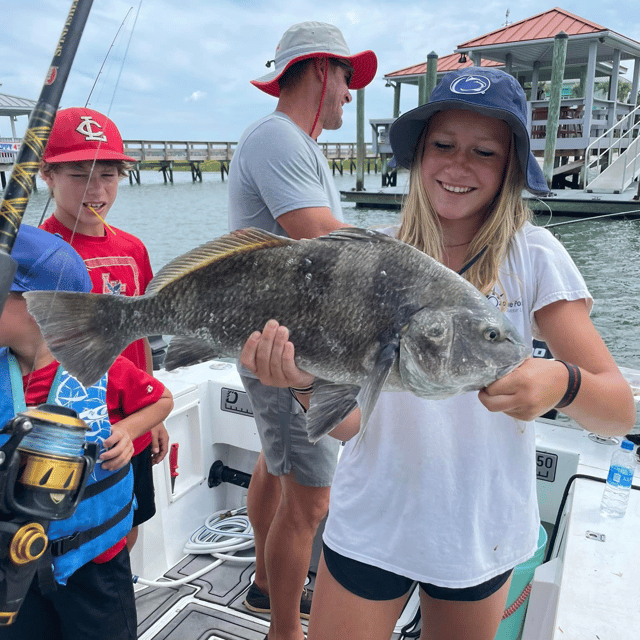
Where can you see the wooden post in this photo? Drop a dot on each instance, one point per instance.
(432, 74)
(634, 82)
(396, 99)
(508, 63)
(613, 91)
(557, 76)
(360, 148)
(535, 78)
(589, 89)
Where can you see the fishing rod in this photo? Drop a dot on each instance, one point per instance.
(604, 215)
(20, 184)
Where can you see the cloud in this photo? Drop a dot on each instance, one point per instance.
(195, 96)
(146, 81)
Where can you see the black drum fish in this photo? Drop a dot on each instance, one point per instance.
(365, 312)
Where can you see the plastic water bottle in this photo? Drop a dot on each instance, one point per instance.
(616, 492)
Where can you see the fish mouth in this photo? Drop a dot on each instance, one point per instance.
(503, 371)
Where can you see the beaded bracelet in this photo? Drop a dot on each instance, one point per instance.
(573, 386)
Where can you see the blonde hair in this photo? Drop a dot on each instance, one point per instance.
(420, 225)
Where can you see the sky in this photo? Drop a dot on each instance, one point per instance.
(180, 70)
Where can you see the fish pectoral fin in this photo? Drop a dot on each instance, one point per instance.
(373, 385)
(330, 405)
(186, 350)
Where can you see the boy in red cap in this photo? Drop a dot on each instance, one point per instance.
(82, 166)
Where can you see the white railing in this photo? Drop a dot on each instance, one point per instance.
(9, 150)
(164, 151)
(621, 144)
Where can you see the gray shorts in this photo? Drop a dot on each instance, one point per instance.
(286, 448)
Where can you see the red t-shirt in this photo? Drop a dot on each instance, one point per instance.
(128, 391)
(118, 264)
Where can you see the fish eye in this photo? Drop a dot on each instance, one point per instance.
(491, 334)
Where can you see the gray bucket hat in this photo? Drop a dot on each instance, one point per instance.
(316, 40)
(492, 93)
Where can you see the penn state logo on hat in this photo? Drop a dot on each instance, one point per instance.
(80, 134)
(467, 85)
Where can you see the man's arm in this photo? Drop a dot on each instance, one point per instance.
(309, 222)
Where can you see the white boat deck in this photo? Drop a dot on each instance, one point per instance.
(589, 589)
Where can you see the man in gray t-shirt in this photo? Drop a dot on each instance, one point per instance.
(279, 181)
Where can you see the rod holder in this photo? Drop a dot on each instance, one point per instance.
(220, 473)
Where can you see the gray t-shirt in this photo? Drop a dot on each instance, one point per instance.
(275, 169)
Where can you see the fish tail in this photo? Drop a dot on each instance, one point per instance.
(77, 328)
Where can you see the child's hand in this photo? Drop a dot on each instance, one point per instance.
(120, 449)
(159, 443)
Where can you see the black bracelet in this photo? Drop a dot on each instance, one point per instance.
(306, 391)
(293, 391)
(575, 378)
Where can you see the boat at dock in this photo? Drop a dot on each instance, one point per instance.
(571, 71)
(584, 588)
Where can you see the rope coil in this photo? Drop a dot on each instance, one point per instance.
(518, 602)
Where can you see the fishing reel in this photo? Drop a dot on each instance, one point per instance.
(44, 468)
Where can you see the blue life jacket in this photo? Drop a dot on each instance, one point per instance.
(105, 513)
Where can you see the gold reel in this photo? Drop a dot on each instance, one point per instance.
(28, 543)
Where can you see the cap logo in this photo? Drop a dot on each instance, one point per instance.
(86, 129)
(467, 85)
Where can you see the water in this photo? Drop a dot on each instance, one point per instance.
(173, 218)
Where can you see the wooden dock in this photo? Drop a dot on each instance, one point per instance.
(563, 202)
(167, 155)
(181, 155)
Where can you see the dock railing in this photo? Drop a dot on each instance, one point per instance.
(9, 148)
(191, 151)
(618, 151)
(178, 151)
(167, 155)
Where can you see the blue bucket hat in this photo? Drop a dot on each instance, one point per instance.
(47, 263)
(490, 92)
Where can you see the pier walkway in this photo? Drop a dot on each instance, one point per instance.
(169, 155)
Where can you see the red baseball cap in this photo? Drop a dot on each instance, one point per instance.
(80, 134)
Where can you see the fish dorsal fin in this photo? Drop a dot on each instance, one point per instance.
(233, 243)
(356, 233)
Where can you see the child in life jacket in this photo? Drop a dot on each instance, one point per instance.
(93, 597)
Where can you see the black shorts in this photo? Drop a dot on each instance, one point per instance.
(372, 583)
(97, 603)
(143, 488)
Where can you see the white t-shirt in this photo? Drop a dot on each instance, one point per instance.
(444, 491)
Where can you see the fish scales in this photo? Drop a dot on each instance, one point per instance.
(335, 298)
(365, 313)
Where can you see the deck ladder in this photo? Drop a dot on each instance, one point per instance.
(621, 157)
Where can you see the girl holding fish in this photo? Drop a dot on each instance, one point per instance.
(442, 492)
